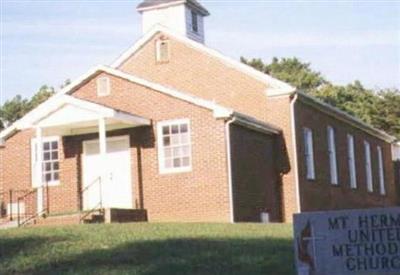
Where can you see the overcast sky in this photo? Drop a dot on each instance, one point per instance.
(46, 42)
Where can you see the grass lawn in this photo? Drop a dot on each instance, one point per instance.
(148, 249)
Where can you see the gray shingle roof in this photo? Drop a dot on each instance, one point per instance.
(152, 3)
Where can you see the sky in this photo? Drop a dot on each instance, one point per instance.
(47, 42)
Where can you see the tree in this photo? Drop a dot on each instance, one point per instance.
(14, 109)
(352, 98)
(378, 108)
(42, 95)
(387, 116)
(290, 70)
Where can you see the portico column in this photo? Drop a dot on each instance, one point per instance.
(102, 137)
(103, 153)
(39, 169)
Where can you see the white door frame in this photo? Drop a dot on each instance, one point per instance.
(87, 142)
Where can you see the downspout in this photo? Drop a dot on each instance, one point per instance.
(229, 164)
(294, 142)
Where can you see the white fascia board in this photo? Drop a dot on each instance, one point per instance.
(255, 124)
(8, 132)
(219, 111)
(271, 92)
(160, 6)
(131, 119)
(277, 86)
(90, 106)
(60, 98)
(99, 111)
(25, 120)
(63, 100)
(330, 110)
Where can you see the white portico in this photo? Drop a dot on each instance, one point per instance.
(106, 161)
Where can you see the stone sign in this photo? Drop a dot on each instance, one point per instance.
(348, 242)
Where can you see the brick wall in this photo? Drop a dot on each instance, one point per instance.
(196, 72)
(279, 113)
(16, 175)
(256, 182)
(199, 195)
(319, 194)
(1, 165)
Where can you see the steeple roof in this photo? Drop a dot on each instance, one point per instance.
(150, 4)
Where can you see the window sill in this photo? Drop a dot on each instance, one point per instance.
(50, 184)
(175, 171)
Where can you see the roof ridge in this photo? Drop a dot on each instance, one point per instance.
(278, 87)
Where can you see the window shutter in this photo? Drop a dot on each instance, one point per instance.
(311, 148)
(381, 172)
(368, 166)
(332, 155)
(309, 153)
(34, 163)
(351, 159)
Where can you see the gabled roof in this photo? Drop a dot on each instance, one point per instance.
(352, 120)
(28, 119)
(154, 4)
(62, 97)
(275, 86)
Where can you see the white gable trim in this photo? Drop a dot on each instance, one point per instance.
(99, 110)
(219, 111)
(50, 104)
(277, 87)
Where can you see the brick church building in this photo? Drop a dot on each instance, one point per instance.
(175, 131)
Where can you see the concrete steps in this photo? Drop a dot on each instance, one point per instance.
(109, 215)
(8, 224)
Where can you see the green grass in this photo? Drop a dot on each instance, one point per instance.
(148, 249)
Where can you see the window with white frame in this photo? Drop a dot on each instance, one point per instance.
(162, 50)
(309, 153)
(351, 161)
(195, 22)
(174, 145)
(381, 172)
(368, 166)
(332, 155)
(50, 161)
(103, 86)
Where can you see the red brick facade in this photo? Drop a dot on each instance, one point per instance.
(319, 194)
(256, 182)
(208, 77)
(263, 166)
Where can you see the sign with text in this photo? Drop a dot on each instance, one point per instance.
(348, 242)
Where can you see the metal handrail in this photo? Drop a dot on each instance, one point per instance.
(34, 215)
(99, 205)
(30, 218)
(11, 194)
(98, 179)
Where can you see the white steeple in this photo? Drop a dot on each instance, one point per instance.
(183, 16)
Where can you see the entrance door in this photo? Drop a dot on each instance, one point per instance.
(116, 181)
